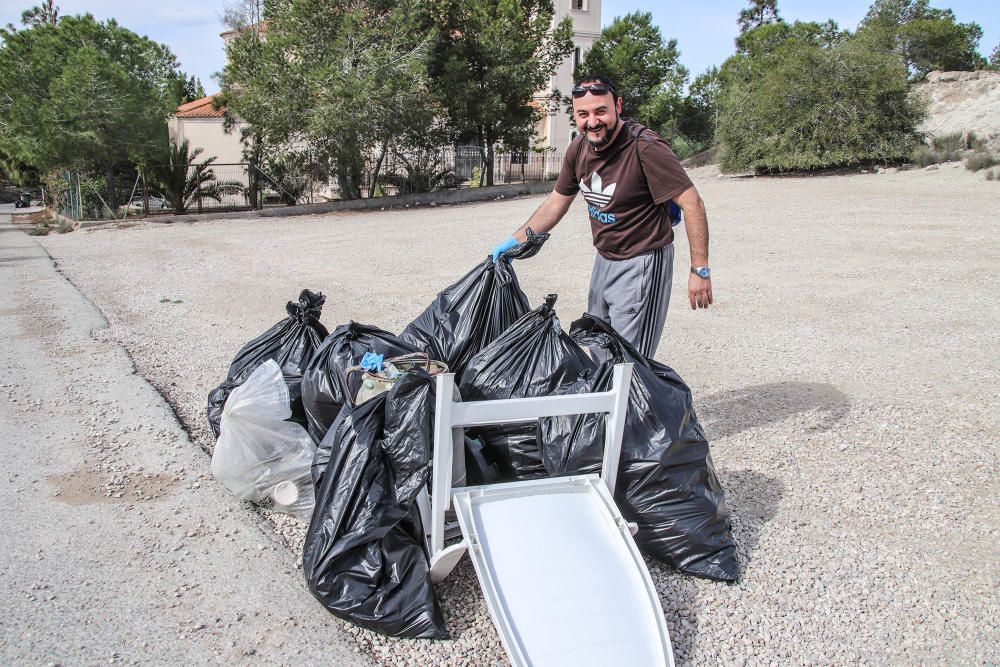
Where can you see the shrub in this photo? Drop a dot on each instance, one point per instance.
(57, 188)
(958, 141)
(980, 161)
(949, 142)
(475, 177)
(815, 99)
(975, 143)
(924, 156)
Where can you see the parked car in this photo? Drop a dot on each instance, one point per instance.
(155, 204)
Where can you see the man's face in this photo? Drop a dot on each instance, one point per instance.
(597, 117)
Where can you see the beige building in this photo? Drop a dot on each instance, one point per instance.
(204, 127)
(556, 130)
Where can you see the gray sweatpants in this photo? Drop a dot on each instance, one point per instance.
(633, 295)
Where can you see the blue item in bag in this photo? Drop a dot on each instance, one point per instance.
(372, 362)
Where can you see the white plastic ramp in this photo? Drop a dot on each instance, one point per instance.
(563, 578)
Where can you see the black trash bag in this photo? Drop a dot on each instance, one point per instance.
(321, 459)
(472, 313)
(325, 386)
(534, 357)
(479, 468)
(291, 343)
(667, 483)
(364, 556)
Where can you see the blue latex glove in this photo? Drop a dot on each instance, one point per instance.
(372, 362)
(503, 247)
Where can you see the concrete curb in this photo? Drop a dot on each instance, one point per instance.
(423, 199)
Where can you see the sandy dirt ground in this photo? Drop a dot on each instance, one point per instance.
(115, 549)
(848, 377)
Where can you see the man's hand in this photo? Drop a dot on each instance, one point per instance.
(699, 291)
(503, 247)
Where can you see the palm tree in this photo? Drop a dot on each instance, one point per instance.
(181, 181)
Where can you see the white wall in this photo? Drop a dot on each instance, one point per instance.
(556, 130)
(209, 135)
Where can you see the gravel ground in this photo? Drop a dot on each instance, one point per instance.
(118, 546)
(848, 377)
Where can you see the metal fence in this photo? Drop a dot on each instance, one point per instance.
(461, 167)
(163, 189)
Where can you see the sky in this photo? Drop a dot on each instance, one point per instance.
(704, 30)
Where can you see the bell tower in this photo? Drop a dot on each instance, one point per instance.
(556, 129)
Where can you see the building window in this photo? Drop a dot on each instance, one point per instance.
(579, 5)
(576, 58)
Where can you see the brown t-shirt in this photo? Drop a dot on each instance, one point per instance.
(628, 210)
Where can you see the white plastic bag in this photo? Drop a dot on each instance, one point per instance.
(259, 456)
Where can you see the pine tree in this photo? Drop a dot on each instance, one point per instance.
(757, 14)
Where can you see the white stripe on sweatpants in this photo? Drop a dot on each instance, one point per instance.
(633, 295)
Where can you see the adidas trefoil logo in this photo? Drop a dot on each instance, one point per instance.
(596, 194)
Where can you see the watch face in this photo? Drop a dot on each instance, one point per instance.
(704, 272)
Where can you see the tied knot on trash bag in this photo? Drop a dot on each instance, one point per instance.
(549, 309)
(291, 343)
(308, 308)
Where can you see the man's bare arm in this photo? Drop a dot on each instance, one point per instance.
(696, 224)
(546, 216)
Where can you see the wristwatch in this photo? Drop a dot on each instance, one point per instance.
(701, 271)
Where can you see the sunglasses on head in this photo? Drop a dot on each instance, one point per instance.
(595, 88)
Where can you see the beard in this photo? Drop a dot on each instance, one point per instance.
(609, 130)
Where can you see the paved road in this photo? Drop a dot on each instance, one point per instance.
(119, 547)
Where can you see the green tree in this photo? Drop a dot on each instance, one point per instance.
(650, 78)
(489, 59)
(757, 14)
(188, 89)
(338, 77)
(806, 96)
(84, 94)
(924, 37)
(995, 58)
(16, 171)
(698, 119)
(44, 13)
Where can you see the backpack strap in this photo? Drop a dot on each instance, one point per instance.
(579, 149)
(674, 212)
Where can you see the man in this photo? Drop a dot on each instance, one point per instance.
(628, 175)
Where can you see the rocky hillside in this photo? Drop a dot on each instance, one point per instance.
(962, 102)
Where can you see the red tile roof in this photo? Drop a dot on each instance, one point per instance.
(200, 109)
